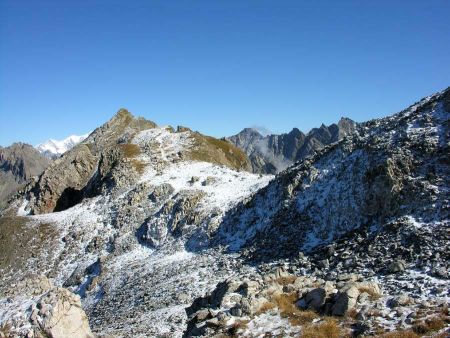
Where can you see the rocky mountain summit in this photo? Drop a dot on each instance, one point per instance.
(165, 232)
(273, 153)
(18, 163)
(108, 160)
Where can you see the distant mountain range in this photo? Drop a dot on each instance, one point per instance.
(270, 154)
(54, 148)
(18, 163)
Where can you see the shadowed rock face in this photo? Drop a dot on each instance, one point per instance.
(18, 164)
(273, 153)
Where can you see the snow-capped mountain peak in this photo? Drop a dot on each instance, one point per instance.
(55, 148)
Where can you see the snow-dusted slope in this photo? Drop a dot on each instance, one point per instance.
(137, 253)
(387, 169)
(55, 148)
(359, 231)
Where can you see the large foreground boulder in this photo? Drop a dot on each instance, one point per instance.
(346, 300)
(59, 315)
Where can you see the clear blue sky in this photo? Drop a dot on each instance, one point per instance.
(216, 66)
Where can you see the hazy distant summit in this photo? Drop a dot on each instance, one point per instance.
(273, 153)
(54, 148)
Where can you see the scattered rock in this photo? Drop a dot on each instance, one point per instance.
(397, 266)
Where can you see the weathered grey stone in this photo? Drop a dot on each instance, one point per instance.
(370, 287)
(346, 300)
(397, 266)
(61, 316)
(315, 299)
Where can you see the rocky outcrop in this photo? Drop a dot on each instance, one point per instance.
(43, 311)
(299, 299)
(177, 213)
(273, 153)
(61, 185)
(345, 300)
(18, 164)
(58, 314)
(277, 299)
(32, 285)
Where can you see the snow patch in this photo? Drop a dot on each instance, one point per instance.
(54, 148)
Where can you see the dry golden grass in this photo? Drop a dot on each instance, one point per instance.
(267, 306)
(286, 280)
(399, 334)
(210, 149)
(138, 165)
(372, 295)
(441, 335)
(5, 330)
(352, 313)
(129, 150)
(285, 302)
(327, 329)
(430, 324)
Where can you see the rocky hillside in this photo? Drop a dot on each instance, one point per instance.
(273, 153)
(134, 202)
(386, 170)
(359, 231)
(18, 163)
